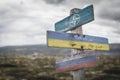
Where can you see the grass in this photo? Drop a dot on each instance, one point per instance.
(43, 68)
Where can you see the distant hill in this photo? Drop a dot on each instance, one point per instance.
(30, 49)
(114, 50)
(43, 49)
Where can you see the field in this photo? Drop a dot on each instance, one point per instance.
(43, 68)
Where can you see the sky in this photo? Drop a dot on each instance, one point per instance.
(25, 22)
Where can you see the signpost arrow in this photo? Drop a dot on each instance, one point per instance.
(70, 64)
(75, 20)
(75, 41)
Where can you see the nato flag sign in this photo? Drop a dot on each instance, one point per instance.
(75, 20)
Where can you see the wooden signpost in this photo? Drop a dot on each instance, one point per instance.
(76, 41)
(80, 73)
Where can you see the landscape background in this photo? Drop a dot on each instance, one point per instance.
(37, 62)
(24, 54)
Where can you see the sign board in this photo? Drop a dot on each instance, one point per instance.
(76, 63)
(75, 41)
(75, 20)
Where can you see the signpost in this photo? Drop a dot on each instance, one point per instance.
(75, 63)
(76, 41)
(80, 73)
(75, 20)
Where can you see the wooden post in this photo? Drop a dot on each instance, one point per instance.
(78, 74)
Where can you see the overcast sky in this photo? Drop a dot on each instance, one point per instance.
(25, 22)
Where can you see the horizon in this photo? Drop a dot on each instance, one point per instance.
(39, 44)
